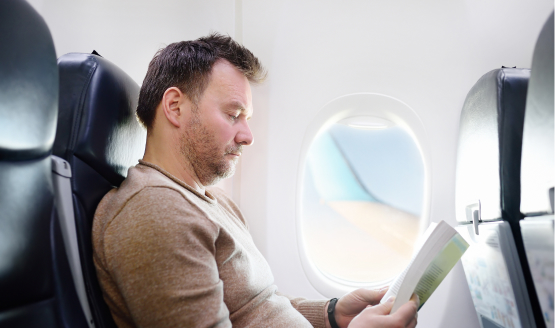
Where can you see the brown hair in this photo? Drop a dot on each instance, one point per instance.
(187, 66)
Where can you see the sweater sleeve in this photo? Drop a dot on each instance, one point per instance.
(160, 251)
(312, 310)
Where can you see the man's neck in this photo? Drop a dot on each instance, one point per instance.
(174, 163)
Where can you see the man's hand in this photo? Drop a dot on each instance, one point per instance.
(350, 305)
(378, 316)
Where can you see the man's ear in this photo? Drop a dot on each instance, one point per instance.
(171, 105)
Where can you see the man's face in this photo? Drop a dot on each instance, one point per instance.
(218, 129)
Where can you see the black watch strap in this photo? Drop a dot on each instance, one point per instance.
(331, 313)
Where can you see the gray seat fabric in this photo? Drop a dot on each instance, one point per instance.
(538, 139)
(537, 175)
(99, 136)
(36, 289)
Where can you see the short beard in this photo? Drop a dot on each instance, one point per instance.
(205, 157)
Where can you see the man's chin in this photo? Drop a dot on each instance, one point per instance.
(228, 173)
(221, 175)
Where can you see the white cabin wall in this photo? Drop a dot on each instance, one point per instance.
(425, 53)
(128, 32)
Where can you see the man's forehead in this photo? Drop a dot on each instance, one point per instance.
(227, 80)
(223, 69)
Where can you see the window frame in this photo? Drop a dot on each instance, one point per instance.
(358, 104)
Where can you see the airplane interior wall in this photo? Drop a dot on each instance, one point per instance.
(427, 54)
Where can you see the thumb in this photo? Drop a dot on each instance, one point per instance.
(382, 308)
(372, 296)
(366, 296)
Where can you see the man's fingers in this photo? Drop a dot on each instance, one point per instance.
(371, 296)
(413, 323)
(383, 308)
(378, 315)
(415, 299)
(407, 312)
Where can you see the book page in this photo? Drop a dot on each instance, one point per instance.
(394, 288)
(440, 267)
(424, 276)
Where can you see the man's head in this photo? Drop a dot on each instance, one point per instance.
(187, 65)
(195, 102)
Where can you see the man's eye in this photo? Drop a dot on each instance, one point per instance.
(233, 118)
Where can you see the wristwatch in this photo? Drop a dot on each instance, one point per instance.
(331, 314)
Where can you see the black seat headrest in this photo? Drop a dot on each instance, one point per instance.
(28, 83)
(489, 147)
(30, 264)
(97, 121)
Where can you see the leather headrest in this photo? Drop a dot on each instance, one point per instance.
(97, 121)
(28, 83)
(490, 138)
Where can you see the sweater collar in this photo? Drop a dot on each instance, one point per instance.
(208, 195)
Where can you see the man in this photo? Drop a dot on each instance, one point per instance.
(171, 252)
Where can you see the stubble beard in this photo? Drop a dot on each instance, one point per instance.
(203, 153)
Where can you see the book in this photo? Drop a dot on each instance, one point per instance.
(439, 249)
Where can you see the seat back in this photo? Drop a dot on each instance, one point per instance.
(494, 276)
(538, 162)
(36, 288)
(537, 176)
(490, 140)
(99, 136)
(488, 197)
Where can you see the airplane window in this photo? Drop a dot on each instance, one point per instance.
(362, 201)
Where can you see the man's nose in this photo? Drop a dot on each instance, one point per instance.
(244, 135)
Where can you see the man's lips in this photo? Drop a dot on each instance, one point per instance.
(235, 151)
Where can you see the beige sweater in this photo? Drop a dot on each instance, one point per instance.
(167, 256)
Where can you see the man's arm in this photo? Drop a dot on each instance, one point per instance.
(160, 252)
(312, 310)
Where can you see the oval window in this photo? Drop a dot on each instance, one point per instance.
(362, 199)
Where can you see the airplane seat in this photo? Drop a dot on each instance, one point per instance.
(537, 176)
(537, 145)
(488, 196)
(36, 288)
(490, 137)
(99, 138)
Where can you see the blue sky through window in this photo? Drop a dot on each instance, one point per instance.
(370, 165)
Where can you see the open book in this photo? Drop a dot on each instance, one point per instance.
(439, 250)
